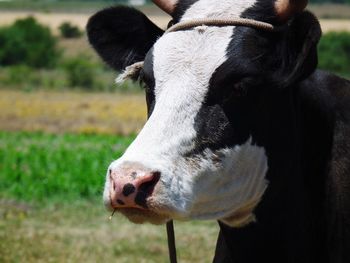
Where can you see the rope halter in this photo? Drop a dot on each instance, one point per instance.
(220, 23)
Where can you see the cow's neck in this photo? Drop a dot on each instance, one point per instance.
(292, 208)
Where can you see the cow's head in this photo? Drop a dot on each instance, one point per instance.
(199, 156)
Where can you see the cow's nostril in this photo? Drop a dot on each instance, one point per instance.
(146, 189)
(128, 189)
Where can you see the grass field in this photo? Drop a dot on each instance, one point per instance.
(51, 209)
(82, 233)
(38, 167)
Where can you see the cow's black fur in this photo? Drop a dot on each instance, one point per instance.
(268, 89)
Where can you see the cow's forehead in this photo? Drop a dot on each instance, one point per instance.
(192, 56)
(189, 58)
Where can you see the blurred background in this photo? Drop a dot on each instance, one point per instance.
(63, 120)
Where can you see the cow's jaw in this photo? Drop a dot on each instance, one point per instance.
(215, 184)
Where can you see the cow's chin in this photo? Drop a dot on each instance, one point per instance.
(140, 216)
(155, 214)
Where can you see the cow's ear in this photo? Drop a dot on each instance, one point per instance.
(121, 35)
(298, 50)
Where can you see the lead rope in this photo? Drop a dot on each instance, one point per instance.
(171, 241)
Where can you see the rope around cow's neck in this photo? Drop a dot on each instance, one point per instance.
(133, 70)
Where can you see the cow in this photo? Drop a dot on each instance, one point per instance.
(242, 128)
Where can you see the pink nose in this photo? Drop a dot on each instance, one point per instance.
(130, 187)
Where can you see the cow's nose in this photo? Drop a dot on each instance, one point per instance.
(131, 188)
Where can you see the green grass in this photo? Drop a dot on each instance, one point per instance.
(38, 167)
(51, 208)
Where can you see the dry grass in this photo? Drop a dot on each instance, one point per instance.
(58, 112)
(82, 233)
(327, 11)
(53, 20)
(338, 25)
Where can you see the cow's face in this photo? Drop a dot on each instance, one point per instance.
(197, 156)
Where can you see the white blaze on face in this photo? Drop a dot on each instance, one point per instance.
(217, 9)
(183, 64)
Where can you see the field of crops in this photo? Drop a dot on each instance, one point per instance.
(38, 167)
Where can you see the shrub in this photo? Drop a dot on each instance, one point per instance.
(20, 76)
(80, 72)
(68, 30)
(27, 78)
(17, 75)
(29, 43)
(334, 52)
